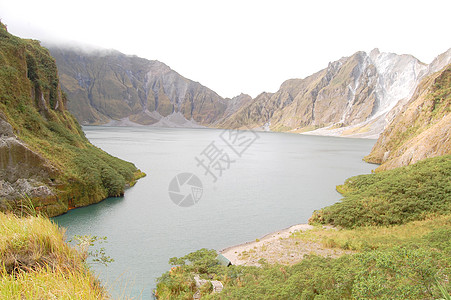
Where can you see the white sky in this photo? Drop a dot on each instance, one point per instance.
(239, 46)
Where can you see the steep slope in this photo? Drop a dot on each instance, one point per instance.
(251, 114)
(43, 151)
(422, 129)
(351, 97)
(354, 96)
(108, 85)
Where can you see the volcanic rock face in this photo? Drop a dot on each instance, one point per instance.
(421, 129)
(351, 97)
(22, 171)
(108, 85)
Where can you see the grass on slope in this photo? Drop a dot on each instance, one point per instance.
(36, 262)
(378, 237)
(390, 264)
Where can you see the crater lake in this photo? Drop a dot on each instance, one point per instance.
(251, 184)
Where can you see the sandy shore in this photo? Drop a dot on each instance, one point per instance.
(278, 247)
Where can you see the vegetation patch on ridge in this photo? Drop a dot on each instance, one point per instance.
(32, 102)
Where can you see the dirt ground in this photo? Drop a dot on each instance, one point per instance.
(278, 247)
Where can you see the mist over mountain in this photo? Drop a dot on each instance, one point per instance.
(353, 96)
(112, 88)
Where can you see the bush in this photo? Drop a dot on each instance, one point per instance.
(397, 273)
(392, 197)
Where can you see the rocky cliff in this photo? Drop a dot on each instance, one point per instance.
(108, 86)
(354, 96)
(45, 158)
(351, 97)
(421, 129)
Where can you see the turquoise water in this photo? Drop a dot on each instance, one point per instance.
(271, 181)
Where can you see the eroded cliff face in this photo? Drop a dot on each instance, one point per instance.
(421, 129)
(45, 158)
(354, 96)
(107, 86)
(23, 171)
(351, 97)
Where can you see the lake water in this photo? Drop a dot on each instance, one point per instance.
(269, 181)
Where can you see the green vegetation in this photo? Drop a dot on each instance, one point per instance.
(376, 237)
(397, 222)
(392, 197)
(36, 262)
(441, 94)
(395, 273)
(179, 281)
(32, 102)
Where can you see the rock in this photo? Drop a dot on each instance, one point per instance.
(137, 89)
(32, 188)
(6, 130)
(353, 96)
(18, 161)
(421, 129)
(6, 190)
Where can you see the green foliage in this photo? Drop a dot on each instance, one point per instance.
(176, 284)
(32, 102)
(407, 261)
(201, 261)
(102, 170)
(396, 273)
(443, 291)
(392, 197)
(439, 239)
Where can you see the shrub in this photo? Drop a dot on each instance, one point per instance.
(392, 197)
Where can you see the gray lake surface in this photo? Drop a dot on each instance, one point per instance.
(269, 181)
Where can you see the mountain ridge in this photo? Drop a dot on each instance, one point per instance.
(349, 97)
(354, 96)
(421, 129)
(137, 88)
